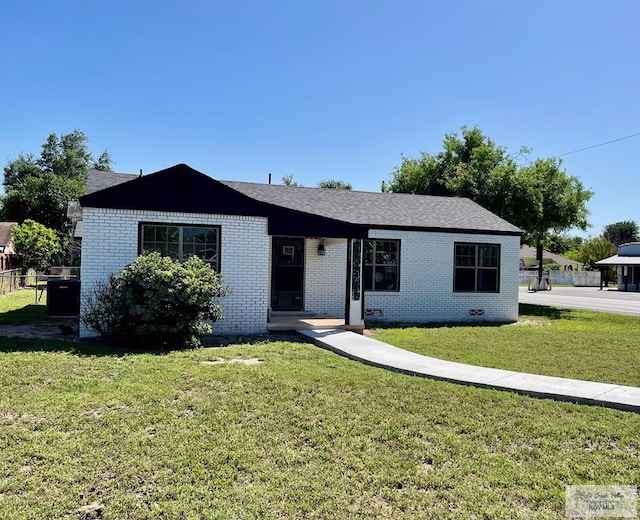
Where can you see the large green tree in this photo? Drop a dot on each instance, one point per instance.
(621, 232)
(43, 199)
(538, 197)
(470, 165)
(553, 202)
(40, 188)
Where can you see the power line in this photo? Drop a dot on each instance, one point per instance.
(600, 144)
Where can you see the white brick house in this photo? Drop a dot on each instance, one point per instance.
(356, 255)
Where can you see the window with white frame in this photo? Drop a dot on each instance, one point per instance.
(182, 241)
(476, 267)
(381, 265)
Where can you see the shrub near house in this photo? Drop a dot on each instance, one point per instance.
(157, 303)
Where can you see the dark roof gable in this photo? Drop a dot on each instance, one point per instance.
(179, 188)
(185, 190)
(294, 210)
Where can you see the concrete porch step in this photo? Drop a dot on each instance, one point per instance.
(293, 314)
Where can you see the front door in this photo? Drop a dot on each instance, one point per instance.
(287, 274)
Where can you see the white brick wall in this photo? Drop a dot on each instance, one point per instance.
(325, 277)
(426, 294)
(110, 242)
(426, 280)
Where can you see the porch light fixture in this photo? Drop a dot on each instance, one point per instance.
(321, 250)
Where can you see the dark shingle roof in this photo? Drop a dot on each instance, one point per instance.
(379, 209)
(98, 180)
(375, 210)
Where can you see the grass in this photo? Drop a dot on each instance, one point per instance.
(304, 434)
(20, 307)
(557, 342)
(88, 431)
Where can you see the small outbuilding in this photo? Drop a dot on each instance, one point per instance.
(628, 262)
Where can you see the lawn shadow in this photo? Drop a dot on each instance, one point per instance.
(99, 347)
(28, 314)
(72, 346)
(544, 311)
(373, 324)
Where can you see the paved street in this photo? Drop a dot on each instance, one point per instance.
(588, 298)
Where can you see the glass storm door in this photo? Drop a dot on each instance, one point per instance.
(287, 275)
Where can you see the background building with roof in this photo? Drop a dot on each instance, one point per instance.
(338, 253)
(8, 259)
(529, 260)
(628, 262)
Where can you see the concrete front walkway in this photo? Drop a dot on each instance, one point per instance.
(376, 353)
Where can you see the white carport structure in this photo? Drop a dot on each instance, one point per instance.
(628, 260)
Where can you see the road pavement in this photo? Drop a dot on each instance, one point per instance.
(587, 298)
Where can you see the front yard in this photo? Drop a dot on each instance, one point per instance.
(556, 342)
(296, 432)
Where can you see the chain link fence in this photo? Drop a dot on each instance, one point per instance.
(10, 280)
(14, 279)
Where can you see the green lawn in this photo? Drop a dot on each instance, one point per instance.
(304, 434)
(20, 307)
(558, 342)
(88, 431)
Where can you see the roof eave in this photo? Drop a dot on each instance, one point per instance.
(460, 231)
(619, 260)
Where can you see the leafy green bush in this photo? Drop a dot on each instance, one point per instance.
(157, 303)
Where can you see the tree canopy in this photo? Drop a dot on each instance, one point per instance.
(621, 232)
(334, 184)
(593, 250)
(287, 180)
(36, 243)
(43, 199)
(563, 243)
(552, 200)
(470, 165)
(40, 188)
(539, 197)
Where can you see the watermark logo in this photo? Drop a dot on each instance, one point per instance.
(601, 501)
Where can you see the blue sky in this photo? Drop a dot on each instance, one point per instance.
(330, 89)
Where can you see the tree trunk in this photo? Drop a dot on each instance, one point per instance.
(539, 257)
